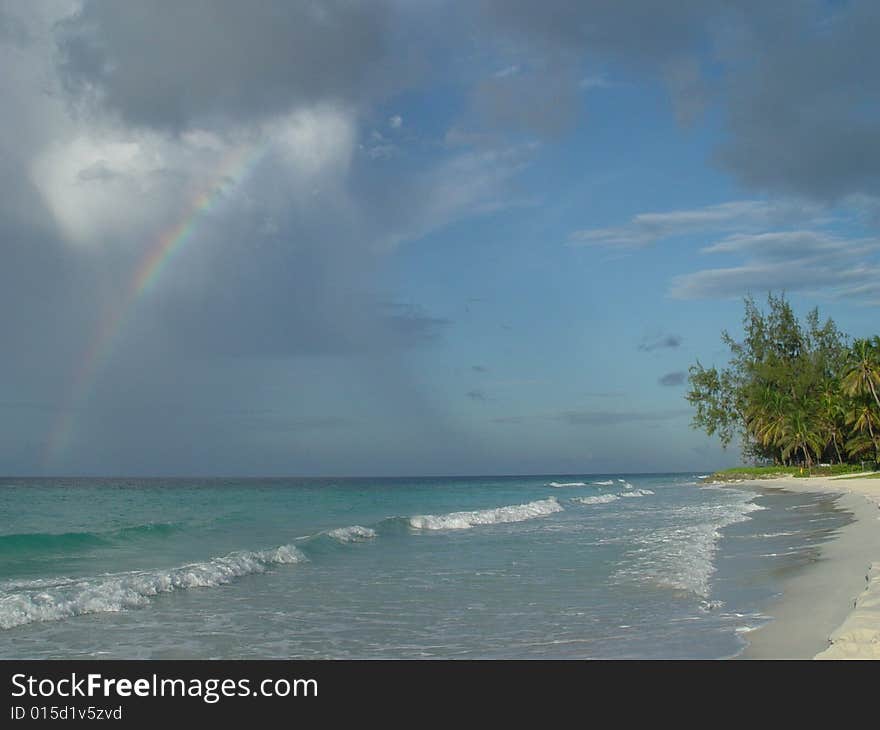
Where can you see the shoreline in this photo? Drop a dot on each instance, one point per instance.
(831, 609)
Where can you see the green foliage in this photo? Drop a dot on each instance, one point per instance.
(753, 472)
(792, 392)
(770, 472)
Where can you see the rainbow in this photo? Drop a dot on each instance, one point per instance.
(231, 173)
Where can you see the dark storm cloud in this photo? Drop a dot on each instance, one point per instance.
(659, 343)
(301, 300)
(12, 29)
(801, 112)
(794, 80)
(566, 35)
(634, 30)
(204, 59)
(672, 379)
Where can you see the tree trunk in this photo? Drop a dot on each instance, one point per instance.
(839, 457)
(875, 442)
(873, 392)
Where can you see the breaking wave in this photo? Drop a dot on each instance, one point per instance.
(24, 602)
(497, 515)
(355, 533)
(637, 493)
(597, 499)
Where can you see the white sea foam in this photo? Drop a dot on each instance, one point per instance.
(706, 606)
(783, 533)
(681, 553)
(567, 484)
(637, 493)
(597, 499)
(355, 533)
(605, 483)
(497, 515)
(24, 602)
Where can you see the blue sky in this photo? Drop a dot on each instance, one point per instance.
(478, 237)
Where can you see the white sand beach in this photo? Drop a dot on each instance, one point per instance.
(832, 609)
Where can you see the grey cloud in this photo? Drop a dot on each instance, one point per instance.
(290, 302)
(653, 38)
(672, 379)
(631, 30)
(667, 341)
(689, 90)
(612, 418)
(204, 59)
(12, 29)
(796, 111)
(99, 171)
(27, 405)
(509, 419)
(281, 424)
(414, 328)
(790, 77)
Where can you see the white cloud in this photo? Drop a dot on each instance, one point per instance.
(108, 185)
(791, 261)
(594, 81)
(469, 183)
(646, 229)
(103, 188)
(787, 244)
(317, 143)
(773, 255)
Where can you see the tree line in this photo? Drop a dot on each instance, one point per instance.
(794, 393)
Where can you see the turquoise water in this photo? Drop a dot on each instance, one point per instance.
(602, 566)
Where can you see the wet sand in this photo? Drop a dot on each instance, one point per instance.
(831, 610)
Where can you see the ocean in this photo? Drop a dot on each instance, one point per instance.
(540, 567)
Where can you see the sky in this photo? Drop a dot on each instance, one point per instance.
(405, 238)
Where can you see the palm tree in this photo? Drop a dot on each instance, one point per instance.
(832, 414)
(866, 423)
(862, 374)
(765, 416)
(801, 432)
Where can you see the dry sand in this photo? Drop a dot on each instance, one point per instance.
(832, 609)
